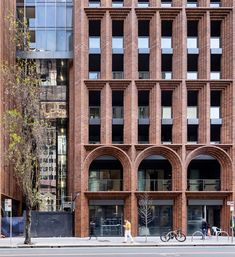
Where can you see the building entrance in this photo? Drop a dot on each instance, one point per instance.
(211, 213)
(108, 219)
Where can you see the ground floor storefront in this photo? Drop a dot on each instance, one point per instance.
(163, 215)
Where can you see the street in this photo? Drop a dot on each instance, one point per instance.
(119, 251)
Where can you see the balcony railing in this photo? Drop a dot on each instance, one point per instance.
(215, 112)
(192, 112)
(143, 112)
(215, 75)
(192, 75)
(94, 75)
(155, 185)
(215, 42)
(143, 4)
(94, 112)
(117, 4)
(204, 184)
(166, 112)
(192, 42)
(96, 185)
(118, 74)
(192, 4)
(166, 4)
(166, 75)
(94, 4)
(117, 112)
(215, 4)
(143, 74)
(166, 42)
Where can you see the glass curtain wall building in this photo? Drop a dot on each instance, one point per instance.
(50, 24)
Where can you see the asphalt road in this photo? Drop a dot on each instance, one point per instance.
(117, 252)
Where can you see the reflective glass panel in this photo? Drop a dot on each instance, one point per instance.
(192, 112)
(166, 42)
(166, 113)
(143, 42)
(94, 42)
(192, 42)
(215, 42)
(215, 112)
(117, 42)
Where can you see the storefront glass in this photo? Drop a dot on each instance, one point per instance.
(108, 219)
(198, 212)
(162, 221)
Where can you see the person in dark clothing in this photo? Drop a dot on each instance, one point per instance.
(92, 229)
(204, 228)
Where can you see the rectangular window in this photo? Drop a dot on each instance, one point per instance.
(166, 113)
(192, 112)
(192, 3)
(166, 3)
(143, 3)
(166, 42)
(94, 42)
(215, 42)
(94, 3)
(143, 42)
(215, 3)
(117, 42)
(117, 3)
(192, 42)
(215, 113)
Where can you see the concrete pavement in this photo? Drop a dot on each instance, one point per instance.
(54, 242)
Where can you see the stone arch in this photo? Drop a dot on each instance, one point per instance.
(115, 152)
(171, 156)
(222, 157)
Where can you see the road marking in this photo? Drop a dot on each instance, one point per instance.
(110, 254)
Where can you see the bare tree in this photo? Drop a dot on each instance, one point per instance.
(24, 127)
(145, 211)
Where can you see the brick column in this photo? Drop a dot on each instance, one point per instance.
(106, 115)
(106, 38)
(177, 107)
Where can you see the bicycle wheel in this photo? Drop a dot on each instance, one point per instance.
(180, 237)
(165, 237)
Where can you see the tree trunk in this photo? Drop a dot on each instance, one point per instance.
(28, 223)
(146, 228)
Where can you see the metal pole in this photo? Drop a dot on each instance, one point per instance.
(11, 227)
(232, 214)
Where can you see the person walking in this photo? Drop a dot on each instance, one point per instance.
(127, 233)
(92, 229)
(204, 228)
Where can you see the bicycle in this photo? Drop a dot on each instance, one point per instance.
(177, 234)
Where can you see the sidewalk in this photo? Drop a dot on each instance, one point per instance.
(111, 242)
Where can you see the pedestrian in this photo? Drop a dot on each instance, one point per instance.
(92, 229)
(208, 230)
(204, 228)
(127, 233)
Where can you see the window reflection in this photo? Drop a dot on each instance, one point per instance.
(52, 22)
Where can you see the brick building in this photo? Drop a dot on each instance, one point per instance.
(150, 108)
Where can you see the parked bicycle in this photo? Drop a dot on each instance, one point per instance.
(177, 234)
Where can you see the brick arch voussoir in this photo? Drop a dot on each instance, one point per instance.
(166, 152)
(108, 150)
(221, 156)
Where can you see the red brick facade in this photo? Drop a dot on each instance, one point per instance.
(130, 154)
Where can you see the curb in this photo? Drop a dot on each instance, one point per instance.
(112, 245)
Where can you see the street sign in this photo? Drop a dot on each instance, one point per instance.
(8, 205)
(231, 203)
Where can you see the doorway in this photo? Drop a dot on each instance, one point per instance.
(196, 213)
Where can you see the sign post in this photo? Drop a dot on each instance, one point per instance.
(231, 204)
(8, 208)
